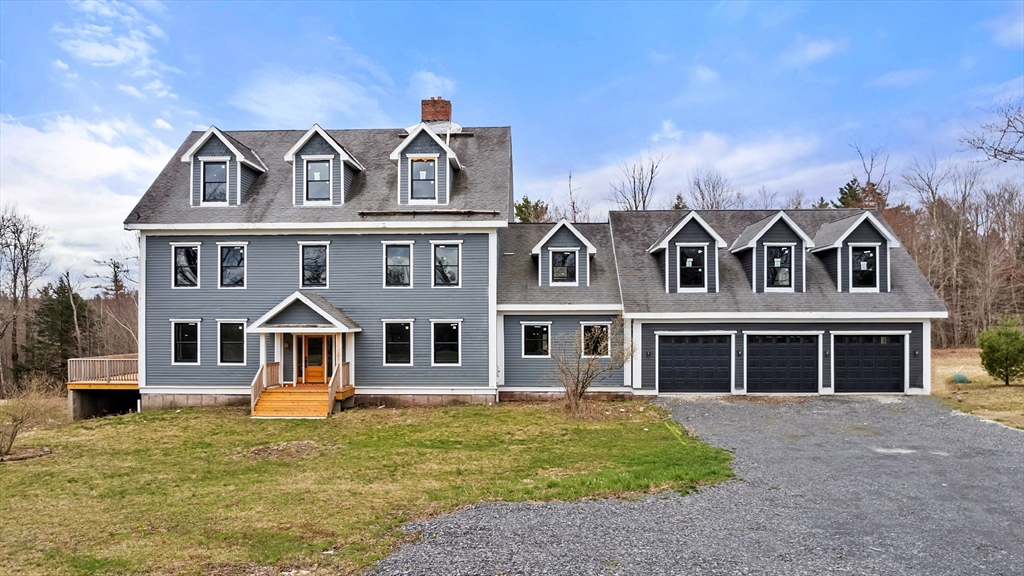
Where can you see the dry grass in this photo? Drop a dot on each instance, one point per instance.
(984, 397)
(213, 491)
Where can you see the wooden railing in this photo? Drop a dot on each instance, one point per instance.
(269, 375)
(332, 389)
(117, 368)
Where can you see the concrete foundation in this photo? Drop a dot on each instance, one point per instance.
(151, 402)
(558, 396)
(84, 404)
(400, 400)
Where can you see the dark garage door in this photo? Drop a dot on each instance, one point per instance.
(869, 363)
(694, 364)
(782, 364)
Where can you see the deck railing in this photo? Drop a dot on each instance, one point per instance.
(269, 375)
(332, 389)
(346, 379)
(116, 368)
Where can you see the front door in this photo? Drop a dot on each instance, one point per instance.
(313, 353)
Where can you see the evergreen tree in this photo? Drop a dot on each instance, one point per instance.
(61, 324)
(850, 195)
(527, 211)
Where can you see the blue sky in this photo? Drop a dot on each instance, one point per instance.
(96, 96)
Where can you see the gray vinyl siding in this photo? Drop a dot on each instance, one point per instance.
(350, 173)
(317, 146)
(356, 278)
(248, 177)
(781, 232)
(564, 238)
(866, 233)
(692, 232)
(534, 371)
(297, 313)
(214, 147)
(745, 261)
(828, 260)
(648, 350)
(423, 144)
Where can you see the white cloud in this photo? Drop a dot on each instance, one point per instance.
(425, 84)
(702, 74)
(1008, 29)
(59, 64)
(806, 51)
(130, 90)
(656, 56)
(83, 199)
(162, 124)
(160, 90)
(903, 78)
(283, 98)
(668, 132)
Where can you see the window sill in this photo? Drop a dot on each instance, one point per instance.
(447, 286)
(564, 284)
(398, 287)
(865, 290)
(185, 287)
(525, 356)
(691, 290)
(231, 287)
(777, 290)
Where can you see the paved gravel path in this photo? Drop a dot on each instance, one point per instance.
(853, 485)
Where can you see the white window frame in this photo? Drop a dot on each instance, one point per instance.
(302, 276)
(305, 179)
(245, 265)
(202, 179)
(679, 249)
(199, 340)
(583, 342)
(878, 264)
(412, 277)
(174, 264)
(522, 339)
(551, 266)
(412, 340)
(436, 157)
(792, 267)
(433, 277)
(432, 347)
(245, 341)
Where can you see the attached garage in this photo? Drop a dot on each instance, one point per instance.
(782, 363)
(695, 363)
(869, 363)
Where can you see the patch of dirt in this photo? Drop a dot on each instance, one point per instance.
(25, 454)
(777, 400)
(282, 451)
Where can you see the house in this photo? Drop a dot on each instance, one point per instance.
(384, 265)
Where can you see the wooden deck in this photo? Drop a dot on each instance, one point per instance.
(300, 401)
(118, 372)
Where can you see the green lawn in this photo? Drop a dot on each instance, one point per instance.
(211, 490)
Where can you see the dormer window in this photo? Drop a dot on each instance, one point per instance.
(318, 180)
(563, 267)
(424, 178)
(692, 266)
(215, 181)
(864, 264)
(779, 266)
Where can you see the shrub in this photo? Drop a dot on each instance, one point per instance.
(1002, 350)
(28, 406)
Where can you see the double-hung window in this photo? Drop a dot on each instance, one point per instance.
(692, 268)
(423, 179)
(447, 262)
(398, 342)
(779, 268)
(185, 341)
(536, 340)
(446, 342)
(314, 264)
(864, 268)
(595, 340)
(563, 266)
(231, 347)
(318, 180)
(185, 271)
(215, 181)
(398, 265)
(232, 265)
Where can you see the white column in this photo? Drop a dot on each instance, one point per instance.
(350, 356)
(263, 348)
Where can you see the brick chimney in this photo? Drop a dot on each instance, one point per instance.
(436, 110)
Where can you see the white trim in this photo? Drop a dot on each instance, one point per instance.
(878, 265)
(781, 215)
(694, 332)
(906, 355)
(591, 249)
(888, 268)
(926, 359)
(753, 272)
(233, 243)
(432, 345)
(583, 342)
(199, 340)
(717, 269)
(559, 308)
(831, 365)
(220, 264)
(414, 131)
(384, 341)
(174, 264)
(214, 131)
(692, 215)
(199, 390)
(257, 326)
(494, 331)
(556, 389)
(666, 274)
(433, 256)
(305, 181)
(839, 270)
(784, 316)
(803, 269)
(792, 267)
(302, 263)
(784, 332)
(437, 171)
(289, 156)
(245, 341)
(866, 215)
(384, 272)
(636, 338)
(704, 269)
(423, 391)
(275, 228)
(522, 340)
(551, 265)
(142, 312)
(732, 366)
(226, 160)
(870, 332)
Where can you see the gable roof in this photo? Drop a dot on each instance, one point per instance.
(332, 316)
(414, 131)
(833, 234)
(662, 242)
(289, 156)
(237, 148)
(751, 234)
(591, 249)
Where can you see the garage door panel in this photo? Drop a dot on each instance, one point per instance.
(782, 364)
(869, 363)
(694, 364)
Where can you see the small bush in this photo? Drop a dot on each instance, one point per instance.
(1002, 350)
(28, 406)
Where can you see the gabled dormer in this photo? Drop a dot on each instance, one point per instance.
(688, 255)
(563, 257)
(322, 169)
(425, 162)
(773, 251)
(855, 251)
(222, 169)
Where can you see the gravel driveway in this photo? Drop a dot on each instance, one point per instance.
(851, 485)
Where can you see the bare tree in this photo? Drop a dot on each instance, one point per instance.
(767, 199)
(711, 190)
(576, 208)
(638, 182)
(587, 356)
(874, 166)
(795, 200)
(21, 263)
(1002, 139)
